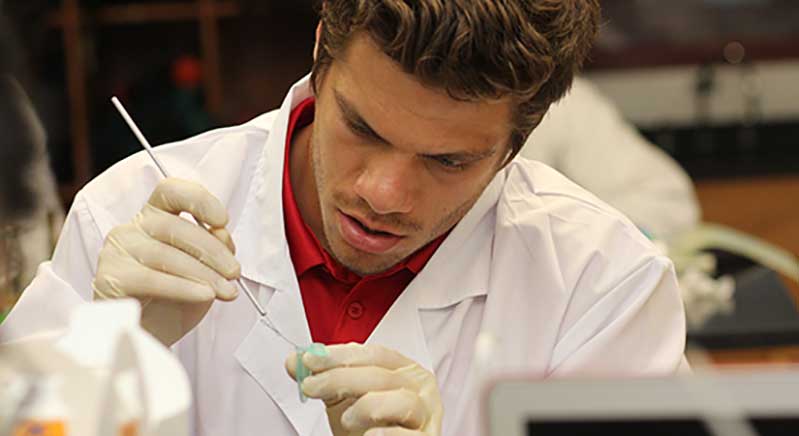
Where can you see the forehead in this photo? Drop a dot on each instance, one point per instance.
(409, 114)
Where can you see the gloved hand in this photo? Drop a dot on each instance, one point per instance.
(174, 267)
(371, 390)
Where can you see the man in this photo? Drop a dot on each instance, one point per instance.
(380, 203)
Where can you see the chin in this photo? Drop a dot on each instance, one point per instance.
(362, 263)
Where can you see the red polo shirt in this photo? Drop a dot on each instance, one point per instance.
(340, 305)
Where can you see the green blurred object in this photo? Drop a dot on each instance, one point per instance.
(685, 248)
(301, 371)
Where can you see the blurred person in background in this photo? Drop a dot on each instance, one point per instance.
(30, 208)
(588, 140)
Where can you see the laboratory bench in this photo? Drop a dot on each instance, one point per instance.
(765, 206)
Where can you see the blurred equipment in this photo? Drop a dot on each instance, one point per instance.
(709, 236)
(762, 314)
(746, 308)
(102, 376)
(755, 403)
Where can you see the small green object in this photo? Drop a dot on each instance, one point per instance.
(301, 371)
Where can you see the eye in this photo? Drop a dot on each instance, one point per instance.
(360, 130)
(448, 164)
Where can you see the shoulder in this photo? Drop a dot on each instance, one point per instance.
(578, 270)
(534, 186)
(218, 159)
(552, 217)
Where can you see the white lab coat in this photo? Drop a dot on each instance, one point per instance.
(587, 139)
(566, 284)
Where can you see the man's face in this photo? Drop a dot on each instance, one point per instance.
(395, 164)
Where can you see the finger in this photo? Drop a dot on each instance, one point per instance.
(291, 365)
(291, 360)
(190, 238)
(224, 237)
(337, 384)
(392, 431)
(176, 196)
(128, 278)
(157, 255)
(354, 355)
(400, 407)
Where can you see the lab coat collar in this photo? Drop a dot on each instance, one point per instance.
(261, 354)
(264, 255)
(459, 270)
(260, 233)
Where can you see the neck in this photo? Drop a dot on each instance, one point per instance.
(303, 182)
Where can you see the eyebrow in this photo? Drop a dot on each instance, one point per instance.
(354, 118)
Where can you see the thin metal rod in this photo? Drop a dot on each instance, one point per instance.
(142, 140)
(163, 171)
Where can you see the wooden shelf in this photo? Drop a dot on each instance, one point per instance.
(656, 54)
(761, 356)
(144, 13)
(764, 207)
(71, 20)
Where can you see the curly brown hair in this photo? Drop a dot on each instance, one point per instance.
(476, 50)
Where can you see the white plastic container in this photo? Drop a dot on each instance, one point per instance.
(127, 410)
(44, 412)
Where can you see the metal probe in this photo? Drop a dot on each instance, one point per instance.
(143, 141)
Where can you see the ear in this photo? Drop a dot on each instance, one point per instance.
(316, 43)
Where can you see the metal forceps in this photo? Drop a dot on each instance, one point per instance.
(301, 371)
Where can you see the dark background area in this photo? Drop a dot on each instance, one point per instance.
(183, 67)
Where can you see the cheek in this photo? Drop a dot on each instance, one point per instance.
(447, 202)
(338, 160)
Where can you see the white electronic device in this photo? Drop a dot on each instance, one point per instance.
(732, 403)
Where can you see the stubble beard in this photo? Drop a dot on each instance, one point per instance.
(373, 264)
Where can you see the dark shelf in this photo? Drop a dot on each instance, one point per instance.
(141, 13)
(732, 150)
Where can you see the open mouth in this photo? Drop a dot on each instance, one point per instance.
(364, 238)
(370, 231)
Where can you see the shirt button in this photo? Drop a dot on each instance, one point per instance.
(355, 310)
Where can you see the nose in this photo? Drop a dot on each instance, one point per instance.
(387, 183)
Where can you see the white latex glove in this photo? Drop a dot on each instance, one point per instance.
(174, 267)
(373, 391)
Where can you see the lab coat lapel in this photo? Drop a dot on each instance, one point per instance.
(265, 258)
(260, 233)
(262, 355)
(401, 330)
(457, 271)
